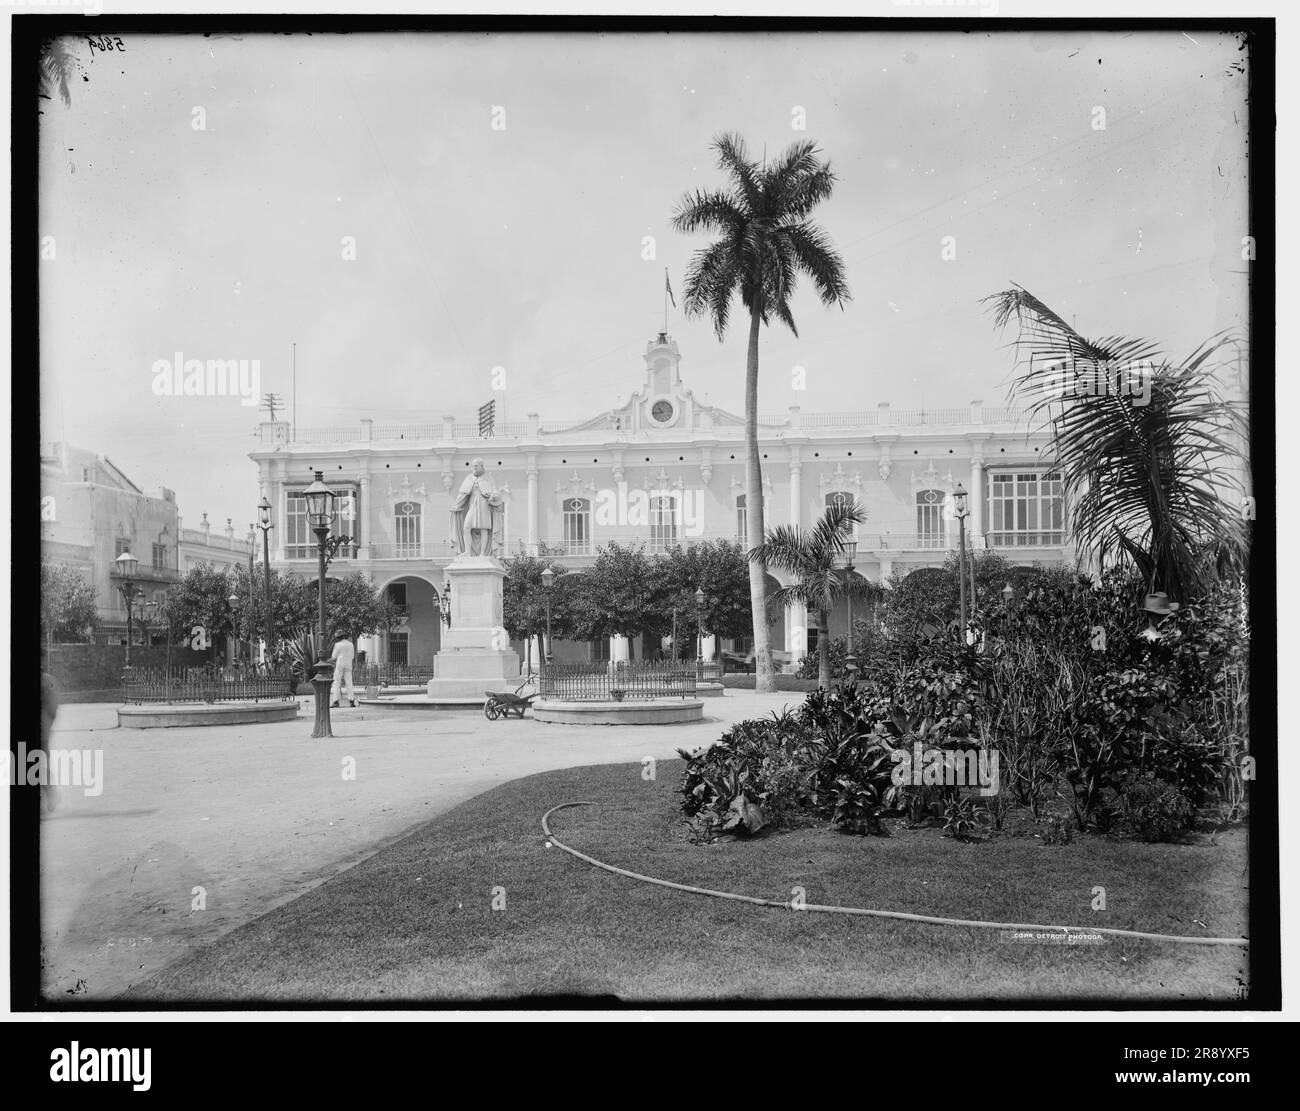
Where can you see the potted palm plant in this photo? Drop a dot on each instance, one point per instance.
(302, 658)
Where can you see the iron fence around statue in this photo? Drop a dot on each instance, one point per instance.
(391, 675)
(615, 682)
(708, 671)
(206, 684)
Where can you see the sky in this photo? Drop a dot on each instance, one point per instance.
(349, 194)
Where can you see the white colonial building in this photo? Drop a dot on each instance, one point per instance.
(664, 469)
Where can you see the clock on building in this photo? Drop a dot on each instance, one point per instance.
(662, 411)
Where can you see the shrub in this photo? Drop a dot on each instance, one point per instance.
(1156, 811)
(759, 772)
(1189, 761)
(1057, 831)
(860, 806)
(854, 758)
(962, 819)
(1034, 687)
(826, 759)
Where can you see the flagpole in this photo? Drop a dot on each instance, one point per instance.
(665, 300)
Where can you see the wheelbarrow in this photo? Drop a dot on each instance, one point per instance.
(501, 704)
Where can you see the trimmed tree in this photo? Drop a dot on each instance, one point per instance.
(615, 596)
(68, 611)
(719, 569)
(524, 598)
(353, 607)
(200, 600)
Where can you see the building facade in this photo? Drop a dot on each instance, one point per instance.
(90, 514)
(663, 469)
(222, 551)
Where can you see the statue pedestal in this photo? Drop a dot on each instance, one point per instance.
(476, 655)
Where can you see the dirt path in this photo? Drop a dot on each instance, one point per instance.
(256, 815)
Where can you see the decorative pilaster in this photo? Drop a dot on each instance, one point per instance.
(364, 510)
(275, 482)
(532, 504)
(976, 498)
(796, 486)
(796, 632)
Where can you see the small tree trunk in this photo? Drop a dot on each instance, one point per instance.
(823, 649)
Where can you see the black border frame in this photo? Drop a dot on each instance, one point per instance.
(30, 30)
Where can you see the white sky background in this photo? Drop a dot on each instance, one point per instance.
(522, 248)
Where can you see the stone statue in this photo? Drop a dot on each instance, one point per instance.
(477, 515)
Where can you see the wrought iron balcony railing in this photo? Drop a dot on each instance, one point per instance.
(1025, 539)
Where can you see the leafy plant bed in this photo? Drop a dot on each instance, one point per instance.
(416, 921)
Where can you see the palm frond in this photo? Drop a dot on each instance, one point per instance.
(814, 255)
(1144, 445)
(733, 156)
(711, 281)
(708, 210)
(57, 65)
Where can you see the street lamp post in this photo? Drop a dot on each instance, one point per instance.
(1007, 594)
(264, 523)
(320, 511)
(959, 511)
(699, 628)
(850, 660)
(548, 582)
(239, 640)
(127, 565)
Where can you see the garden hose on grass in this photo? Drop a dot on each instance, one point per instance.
(928, 918)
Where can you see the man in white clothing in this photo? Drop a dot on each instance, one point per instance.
(343, 655)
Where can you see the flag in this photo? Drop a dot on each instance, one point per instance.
(668, 286)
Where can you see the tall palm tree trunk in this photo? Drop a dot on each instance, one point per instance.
(764, 676)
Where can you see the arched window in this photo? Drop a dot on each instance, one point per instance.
(577, 526)
(663, 522)
(408, 532)
(930, 532)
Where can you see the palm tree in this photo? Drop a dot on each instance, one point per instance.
(812, 557)
(766, 242)
(56, 67)
(1143, 473)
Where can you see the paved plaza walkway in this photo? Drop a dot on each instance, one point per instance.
(256, 815)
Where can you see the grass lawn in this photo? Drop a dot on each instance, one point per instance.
(416, 922)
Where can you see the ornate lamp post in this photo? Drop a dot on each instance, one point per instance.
(548, 583)
(320, 512)
(264, 523)
(127, 565)
(960, 512)
(239, 640)
(1007, 594)
(699, 627)
(850, 660)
